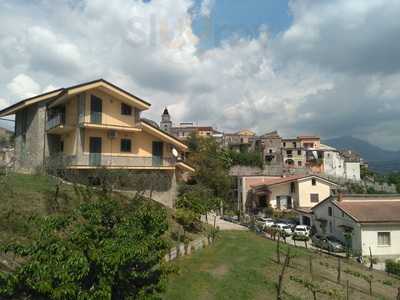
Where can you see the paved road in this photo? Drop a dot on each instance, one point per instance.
(222, 224)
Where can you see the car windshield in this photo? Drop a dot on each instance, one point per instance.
(285, 227)
(300, 229)
(333, 239)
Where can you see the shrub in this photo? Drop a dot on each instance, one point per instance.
(105, 249)
(392, 267)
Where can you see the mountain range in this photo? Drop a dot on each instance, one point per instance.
(379, 160)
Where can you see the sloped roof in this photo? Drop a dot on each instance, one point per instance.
(53, 95)
(275, 181)
(371, 208)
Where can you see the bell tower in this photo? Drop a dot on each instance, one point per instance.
(166, 122)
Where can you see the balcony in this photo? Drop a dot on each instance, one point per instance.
(98, 160)
(56, 124)
(55, 121)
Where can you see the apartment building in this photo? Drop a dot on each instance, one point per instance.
(241, 141)
(94, 125)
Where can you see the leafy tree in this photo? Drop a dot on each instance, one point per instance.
(105, 249)
(210, 162)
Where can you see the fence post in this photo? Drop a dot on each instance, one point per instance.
(310, 264)
(339, 270)
(347, 290)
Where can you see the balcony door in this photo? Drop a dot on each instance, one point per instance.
(158, 148)
(96, 108)
(95, 151)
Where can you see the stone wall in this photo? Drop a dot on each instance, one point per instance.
(30, 138)
(191, 247)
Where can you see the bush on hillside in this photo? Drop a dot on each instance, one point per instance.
(105, 249)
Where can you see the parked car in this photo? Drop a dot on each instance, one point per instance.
(291, 223)
(329, 243)
(302, 230)
(233, 219)
(283, 228)
(263, 222)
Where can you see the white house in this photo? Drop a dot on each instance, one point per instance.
(333, 162)
(373, 220)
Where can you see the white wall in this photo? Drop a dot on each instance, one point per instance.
(352, 171)
(334, 164)
(337, 219)
(369, 235)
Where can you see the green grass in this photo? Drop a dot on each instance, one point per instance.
(233, 268)
(241, 265)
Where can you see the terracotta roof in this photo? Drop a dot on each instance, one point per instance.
(376, 209)
(280, 180)
(311, 137)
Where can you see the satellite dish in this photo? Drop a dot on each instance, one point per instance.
(175, 152)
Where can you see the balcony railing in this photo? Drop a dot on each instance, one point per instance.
(100, 160)
(55, 121)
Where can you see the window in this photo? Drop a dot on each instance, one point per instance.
(383, 238)
(330, 211)
(299, 163)
(126, 145)
(314, 181)
(292, 187)
(284, 144)
(61, 146)
(314, 198)
(294, 144)
(270, 151)
(126, 109)
(298, 152)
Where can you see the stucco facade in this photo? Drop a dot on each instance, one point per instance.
(91, 126)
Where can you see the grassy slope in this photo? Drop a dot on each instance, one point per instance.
(25, 196)
(242, 265)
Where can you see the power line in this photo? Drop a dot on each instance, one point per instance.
(3, 119)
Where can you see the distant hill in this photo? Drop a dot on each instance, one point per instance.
(379, 159)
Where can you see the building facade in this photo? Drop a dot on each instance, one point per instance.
(371, 221)
(282, 193)
(93, 126)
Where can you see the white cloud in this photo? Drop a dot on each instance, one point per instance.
(23, 86)
(328, 74)
(206, 7)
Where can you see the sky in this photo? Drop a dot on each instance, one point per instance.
(326, 67)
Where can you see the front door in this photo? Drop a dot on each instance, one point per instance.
(289, 204)
(157, 153)
(95, 151)
(96, 108)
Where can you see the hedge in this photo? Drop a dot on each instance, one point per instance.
(392, 267)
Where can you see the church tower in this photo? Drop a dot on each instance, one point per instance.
(166, 122)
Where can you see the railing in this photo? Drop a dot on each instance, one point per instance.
(100, 160)
(95, 117)
(54, 121)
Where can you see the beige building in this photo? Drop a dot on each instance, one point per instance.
(92, 126)
(300, 192)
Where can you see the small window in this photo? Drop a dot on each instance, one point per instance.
(314, 198)
(126, 109)
(298, 152)
(292, 187)
(383, 238)
(294, 144)
(313, 181)
(284, 144)
(299, 163)
(330, 211)
(270, 151)
(61, 146)
(126, 145)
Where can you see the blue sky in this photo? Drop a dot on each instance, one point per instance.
(244, 18)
